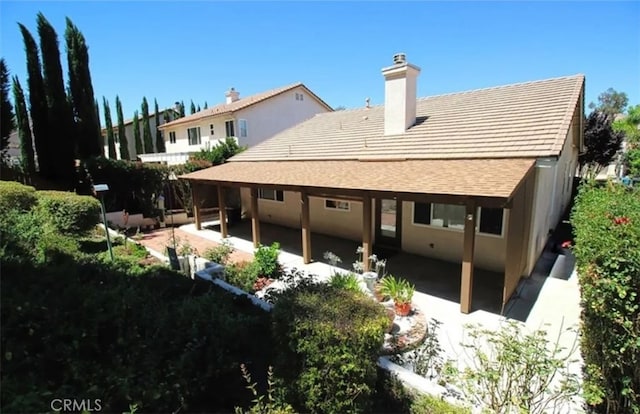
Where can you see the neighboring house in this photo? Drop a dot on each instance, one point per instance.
(480, 177)
(251, 120)
(172, 114)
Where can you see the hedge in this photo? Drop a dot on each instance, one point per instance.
(327, 344)
(69, 213)
(606, 223)
(16, 196)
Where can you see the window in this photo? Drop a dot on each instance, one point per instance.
(230, 128)
(273, 195)
(299, 97)
(172, 137)
(452, 216)
(211, 129)
(194, 136)
(242, 125)
(337, 205)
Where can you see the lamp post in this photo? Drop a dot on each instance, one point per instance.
(101, 189)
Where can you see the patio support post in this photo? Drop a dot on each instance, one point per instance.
(195, 196)
(255, 218)
(306, 228)
(366, 232)
(222, 213)
(466, 288)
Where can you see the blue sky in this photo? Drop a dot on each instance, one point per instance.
(173, 50)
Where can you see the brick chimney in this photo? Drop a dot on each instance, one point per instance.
(232, 95)
(400, 88)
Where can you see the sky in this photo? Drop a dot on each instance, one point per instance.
(196, 50)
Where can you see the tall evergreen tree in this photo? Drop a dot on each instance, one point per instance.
(7, 122)
(60, 118)
(146, 128)
(111, 142)
(159, 139)
(24, 129)
(122, 132)
(97, 111)
(198, 108)
(136, 133)
(193, 108)
(38, 105)
(181, 110)
(81, 92)
(206, 105)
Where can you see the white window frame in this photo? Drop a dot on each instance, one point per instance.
(197, 128)
(172, 137)
(338, 204)
(455, 229)
(211, 129)
(226, 127)
(243, 128)
(272, 200)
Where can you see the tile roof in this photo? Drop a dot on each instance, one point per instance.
(482, 178)
(520, 120)
(241, 103)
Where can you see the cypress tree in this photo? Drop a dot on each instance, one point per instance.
(111, 143)
(37, 105)
(81, 92)
(136, 133)
(193, 108)
(181, 110)
(122, 132)
(206, 105)
(159, 140)
(24, 129)
(60, 120)
(7, 123)
(198, 108)
(146, 128)
(97, 111)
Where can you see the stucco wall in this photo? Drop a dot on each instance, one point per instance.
(131, 143)
(447, 244)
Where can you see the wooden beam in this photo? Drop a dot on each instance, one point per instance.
(466, 288)
(195, 196)
(367, 245)
(222, 213)
(306, 228)
(255, 218)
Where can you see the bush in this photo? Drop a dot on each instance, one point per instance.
(606, 223)
(242, 275)
(15, 196)
(327, 345)
(427, 404)
(347, 281)
(266, 260)
(220, 254)
(69, 213)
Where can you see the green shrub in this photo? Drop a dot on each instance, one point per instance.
(427, 404)
(347, 281)
(266, 260)
(242, 275)
(69, 213)
(16, 196)
(271, 403)
(220, 254)
(606, 223)
(327, 345)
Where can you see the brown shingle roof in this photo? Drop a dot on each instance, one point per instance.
(519, 120)
(482, 178)
(241, 103)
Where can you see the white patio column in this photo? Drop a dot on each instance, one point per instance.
(466, 288)
(367, 248)
(306, 228)
(255, 218)
(222, 213)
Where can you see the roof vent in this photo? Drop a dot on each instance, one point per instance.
(399, 59)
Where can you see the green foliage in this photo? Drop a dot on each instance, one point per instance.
(266, 260)
(122, 132)
(160, 147)
(347, 281)
(111, 143)
(16, 196)
(69, 213)
(606, 222)
(7, 121)
(24, 129)
(220, 254)
(241, 275)
(512, 371)
(327, 341)
(602, 143)
(610, 102)
(146, 128)
(221, 152)
(632, 161)
(427, 404)
(272, 403)
(399, 289)
(427, 361)
(132, 186)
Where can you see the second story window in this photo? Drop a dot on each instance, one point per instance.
(230, 128)
(172, 137)
(242, 125)
(194, 136)
(211, 129)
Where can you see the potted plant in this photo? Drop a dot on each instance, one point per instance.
(400, 291)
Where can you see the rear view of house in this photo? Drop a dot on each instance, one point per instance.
(478, 177)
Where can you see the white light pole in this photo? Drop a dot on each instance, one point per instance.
(101, 189)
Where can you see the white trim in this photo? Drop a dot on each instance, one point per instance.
(233, 122)
(246, 128)
(275, 200)
(505, 212)
(344, 210)
(199, 136)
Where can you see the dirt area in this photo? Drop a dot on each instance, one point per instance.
(160, 238)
